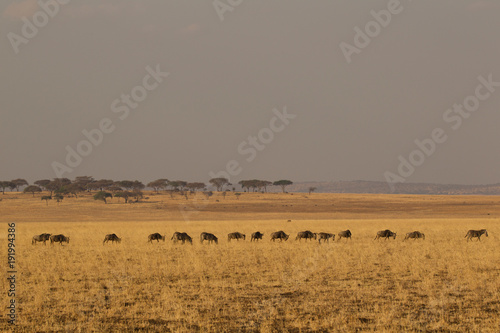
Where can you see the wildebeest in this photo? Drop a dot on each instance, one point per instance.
(279, 235)
(306, 235)
(235, 235)
(415, 235)
(181, 236)
(112, 238)
(475, 233)
(385, 234)
(209, 237)
(325, 236)
(256, 236)
(40, 238)
(156, 236)
(346, 234)
(59, 238)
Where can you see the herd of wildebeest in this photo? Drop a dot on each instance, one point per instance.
(281, 235)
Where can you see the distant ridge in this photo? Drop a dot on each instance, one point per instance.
(362, 186)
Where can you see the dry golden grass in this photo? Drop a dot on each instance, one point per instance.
(438, 285)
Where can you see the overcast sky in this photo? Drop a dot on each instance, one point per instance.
(322, 101)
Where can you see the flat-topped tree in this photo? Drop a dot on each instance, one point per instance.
(19, 182)
(102, 195)
(7, 184)
(177, 185)
(83, 181)
(32, 189)
(42, 183)
(219, 183)
(124, 194)
(195, 186)
(137, 185)
(158, 184)
(283, 184)
(56, 184)
(73, 189)
(131, 185)
(312, 189)
(100, 185)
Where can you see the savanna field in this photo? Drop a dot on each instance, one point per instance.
(440, 284)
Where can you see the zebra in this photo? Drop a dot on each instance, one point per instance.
(475, 233)
(325, 236)
(346, 234)
(112, 238)
(385, 234)
(415, 235)
(209, 237)
(235, 235)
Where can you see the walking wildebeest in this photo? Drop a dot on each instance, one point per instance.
(325, 236)
(306, 235)
(112, 238)
(346, 234)
(181, 236)
(235, 235)
(40, 238)
(59, 238)
(256, 236)
(156, 236)
(385, 234)
(279, 235)
(415, 235)
(209, 237)
(475, 233)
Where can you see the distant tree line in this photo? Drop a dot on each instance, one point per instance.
(126, 189)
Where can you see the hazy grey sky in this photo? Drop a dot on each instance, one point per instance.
(230, 65)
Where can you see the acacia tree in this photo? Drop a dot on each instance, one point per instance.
(6, 184)
(124, 194)
(83, 181)
(32, 189)
(283, 184)
(126, 184)
(53, 186)
(158, 184)
(312, 189)
(219, 183)
(100, 185)
(137, 194)
(177, 185)
(42, 183)
(195, 186)
(19, 182)
(102, 195)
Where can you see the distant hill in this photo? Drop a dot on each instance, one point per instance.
(361, 186)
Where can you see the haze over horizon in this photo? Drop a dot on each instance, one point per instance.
(322, 91)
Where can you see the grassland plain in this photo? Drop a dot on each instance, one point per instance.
(442, 284)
